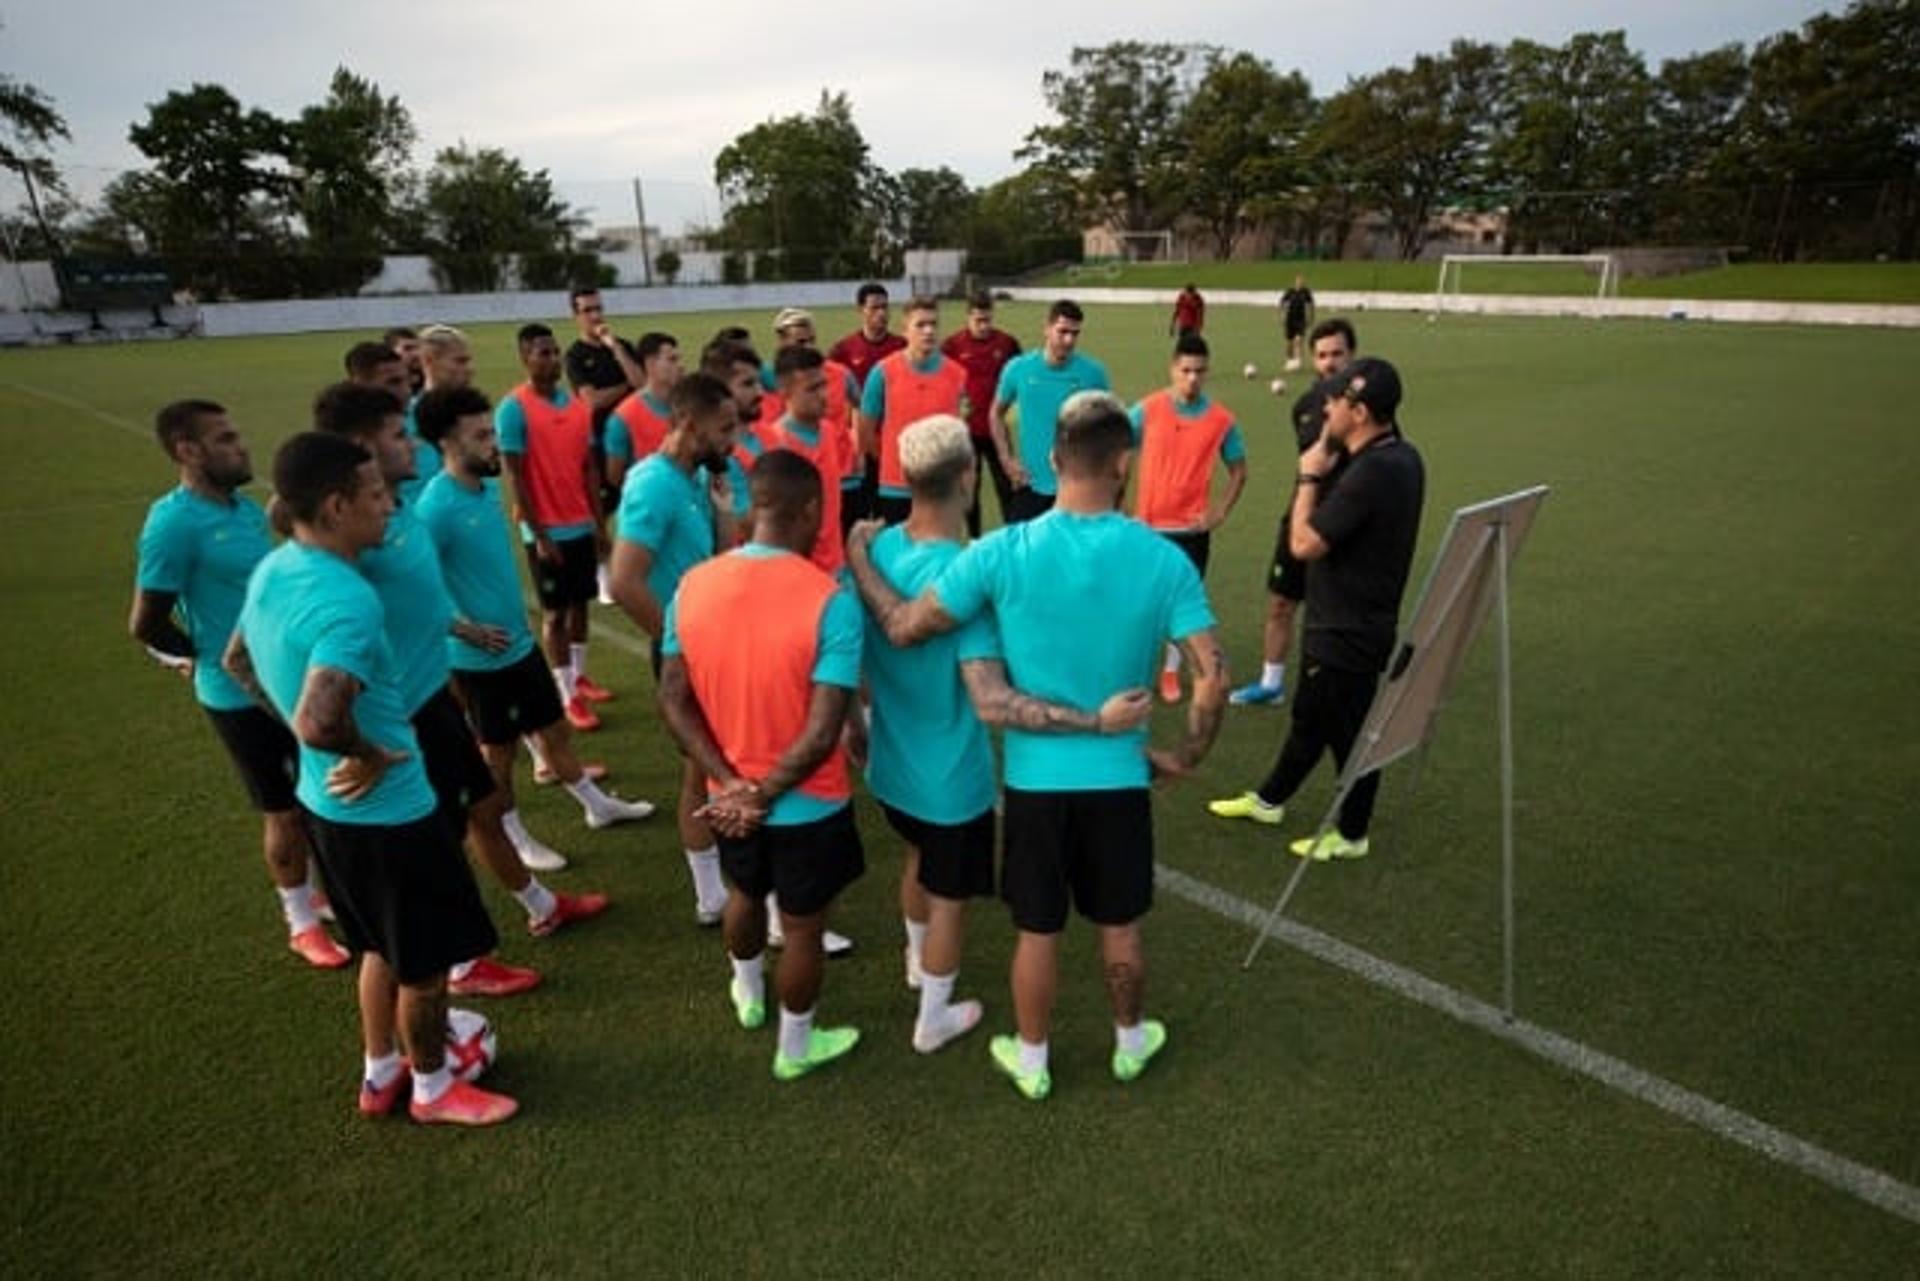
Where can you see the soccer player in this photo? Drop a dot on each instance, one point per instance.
(509, 692)
(407, 343)
(198, 546)
(1078, 824)
(913, 383)
(546, 435)
(1357, 541)
(803, 427)
(373, 364)
(1189, 312)
(1033, 387)
(929, 764)
(603, 370)
(793, 327)
(418, 616)
(860, 351)
(1296, 316)
(1333, 344)
(1180, 433)
(983, 350)
(445, 360)
(761, 710)
(638, 423)
(667, 524)
(310, 639)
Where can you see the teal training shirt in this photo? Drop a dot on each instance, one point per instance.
(202, 551)
(405, 570)
(469, 532)
(929, 755)
(426, 461)
(307, 608)
(1036, 390)
(1083, 605)
(670, 513)
(836, 661)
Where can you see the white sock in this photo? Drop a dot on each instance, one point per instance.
(578, 653)
(1173, 658)
(429, 1086)
(796, 1030)
(460, 971)
(536, 898)
(591, 798)
(516, 829)
(1130, 1040)
(751, 975)
(1272, 674)
(381, 1071)
(709, 891)
(533, 750)
(1033, 1058)
(916, 939)
(563, 677)
(775, 934)
(936, 991)
(296, 904)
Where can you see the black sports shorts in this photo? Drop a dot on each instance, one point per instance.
(575, 580)
(455, 769)
(265, 754)
(1196, 543)
(405, 892)
(805, 864)
(510, 701)
(1286, 576)
(956, 859)
(1093, 848)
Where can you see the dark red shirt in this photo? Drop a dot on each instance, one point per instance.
(860, 353)
(982, 359)
(1189, 312)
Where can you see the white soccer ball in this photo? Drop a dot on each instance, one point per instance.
(472, 1046)
(1251, 370)
(1277, 386)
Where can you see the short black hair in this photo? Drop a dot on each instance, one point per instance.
(531, 333)
(696, 396)
(650, 344)
(1091, 433)
(733, 333)
(1328, 328)
(436, 412)
(1066, 309)
(722, 355)
(397, 333)
(313, 467)
(364, 357)
(980, 300)
(783, 482)
(180, 421)
(352, 409)
(872, 289)
(1190, 344)
(578, 292)
(796, 360)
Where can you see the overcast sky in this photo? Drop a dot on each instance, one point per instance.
(596, 98)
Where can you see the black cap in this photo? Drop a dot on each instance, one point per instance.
(1372, 382)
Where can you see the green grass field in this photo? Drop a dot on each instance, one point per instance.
(1714, 634)
(1794, 282)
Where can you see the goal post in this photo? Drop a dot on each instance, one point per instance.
(1147, 246)
(1605, 269)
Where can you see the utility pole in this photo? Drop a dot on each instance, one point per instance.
(646, 256)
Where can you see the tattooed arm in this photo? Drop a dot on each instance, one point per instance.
(1001, 705)
(1207, 660)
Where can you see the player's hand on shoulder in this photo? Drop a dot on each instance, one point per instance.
(861, 536)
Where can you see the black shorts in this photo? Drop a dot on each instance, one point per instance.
(956, 859)
(1095, 846)
(805, 864)
(575, 580)
(1295, 328)
(265, 753)
(1196, 543)
(854, 506)
(1028, 503)
(510, 701)
(404, 892)
(894, 509)
(1286, 576)
(455, 769)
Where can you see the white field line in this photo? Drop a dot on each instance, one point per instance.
(127, 425)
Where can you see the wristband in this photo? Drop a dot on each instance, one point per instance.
(1309, 478)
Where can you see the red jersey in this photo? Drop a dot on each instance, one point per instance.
(1189, 312)
(983, 359)
(860, 353)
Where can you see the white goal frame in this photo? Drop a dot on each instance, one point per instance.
(1163, 238)
(1607, 286)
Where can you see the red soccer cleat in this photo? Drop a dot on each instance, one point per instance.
(592, 771)
(580, 716)
(568, 908)
(591, 690)
(317, 948)
(464, 1104)
(1169, 686)
(489, 977)
(381, 1102)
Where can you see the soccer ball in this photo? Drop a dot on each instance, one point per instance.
(1277, 386)
(1251, 370)
(471, 1044)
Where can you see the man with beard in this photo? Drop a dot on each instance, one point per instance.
(860, 351)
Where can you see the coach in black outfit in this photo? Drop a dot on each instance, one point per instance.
(1356, 514)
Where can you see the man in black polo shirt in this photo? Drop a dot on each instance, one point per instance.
(1356, 514)
(603, 370)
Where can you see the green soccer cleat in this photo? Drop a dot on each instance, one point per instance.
(1247, 805)
(1006, 1057)
(1330, 846)
(750, 1012)
(824, 1045)
(1128, 1066)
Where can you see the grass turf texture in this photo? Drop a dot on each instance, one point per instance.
(1716, 731)
(1862, 282)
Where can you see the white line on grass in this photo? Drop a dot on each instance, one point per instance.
(127, 425)
(1856, 1180)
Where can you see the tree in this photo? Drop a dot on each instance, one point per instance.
(1694, 157)
(482, 207)
(667, 262)
(1242, 138)
(936, 206)
(349, 158)
(29, 124)
(1022, 222)
(213, 170)
(802, 194)
(1116, 142)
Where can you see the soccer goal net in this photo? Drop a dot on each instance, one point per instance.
(1147, 246)
(1592, 277)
